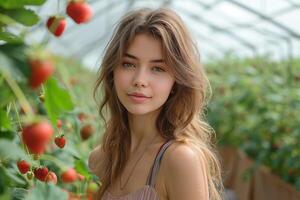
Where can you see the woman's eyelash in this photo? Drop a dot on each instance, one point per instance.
(126, 64)
(160, 69)
(157, 68)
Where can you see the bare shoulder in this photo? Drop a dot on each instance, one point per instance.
(185, 173)
(94, 160)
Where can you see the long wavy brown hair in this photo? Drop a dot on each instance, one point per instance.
(182, 115)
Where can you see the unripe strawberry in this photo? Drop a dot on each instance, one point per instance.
(30, 175)
(42, 97)
(51, 177)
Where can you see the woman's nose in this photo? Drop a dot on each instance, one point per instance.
(140, 78)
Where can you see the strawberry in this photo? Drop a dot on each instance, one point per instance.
(51, 177)
(23, 166)
(69, 176)
(60, 141)
(37, 135)
(59, 123)
(41, 70)
(79, 11)
(42, 97)
(92, 187)
(80, 177)
(82, 116)
(86, 131)
(56, 25)
(30, 175)
(41, 173)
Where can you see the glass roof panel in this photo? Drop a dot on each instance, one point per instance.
(217, 25)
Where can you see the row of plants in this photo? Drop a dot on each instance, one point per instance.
(255, 107)
(47, 127)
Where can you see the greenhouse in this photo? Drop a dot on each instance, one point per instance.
(58, 105)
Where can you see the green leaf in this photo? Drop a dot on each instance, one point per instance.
(19, 193)
(8, 4)
(15, 176)
(5, 123)
(10, 38)
(24, 16)
(48, 191)
(6, 95)
(10, 150)
(4, 180)
(82, 169)
(14, 59)
(57, 100)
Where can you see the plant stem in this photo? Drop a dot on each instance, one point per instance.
(20, 125)
(19, 94)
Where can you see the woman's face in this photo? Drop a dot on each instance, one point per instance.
(143, 70)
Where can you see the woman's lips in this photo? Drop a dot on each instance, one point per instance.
(138, 99)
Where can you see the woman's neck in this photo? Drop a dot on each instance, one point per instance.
(143, 130)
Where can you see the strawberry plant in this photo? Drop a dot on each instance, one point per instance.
(255, 105)
(38, 114)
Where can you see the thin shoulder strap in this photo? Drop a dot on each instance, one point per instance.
(156, 164)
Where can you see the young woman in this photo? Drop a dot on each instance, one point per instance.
(156, 144)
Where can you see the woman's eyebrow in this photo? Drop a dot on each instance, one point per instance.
(152, 61)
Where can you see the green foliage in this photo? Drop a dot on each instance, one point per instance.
(57, 100)
(22, 15)
(255, 107)
(9, 4)
(46, 191)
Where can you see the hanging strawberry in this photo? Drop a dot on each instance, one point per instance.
(56, 25)
(41, 70)
(23, 166)
(37, 135)
(86, 131)
(79, 11)
(41, 173)
(51, 177)
(69, 176)
(60, 141)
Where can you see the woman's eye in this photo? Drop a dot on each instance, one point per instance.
(125, 64)
(159, 69)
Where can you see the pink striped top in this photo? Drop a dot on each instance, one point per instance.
(147, 192)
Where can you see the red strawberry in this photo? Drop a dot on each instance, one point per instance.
(37, 135)
(59, 123)
(80, 177)
(79, 11)
(86, 131)
(41, 173)
(41, 70)
(82, 116)
(56, 25)
(23, 166)
(69, 176)
(51, 177)
(60, 141)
